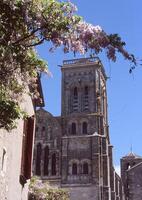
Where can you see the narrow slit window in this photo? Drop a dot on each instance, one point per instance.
(38, 160)
(86, 98)
(73, 128)
(84, 128)
(75, 99)
(46, 161)
(86, 91)
(75, 92)
(74, 169)
(53, 167)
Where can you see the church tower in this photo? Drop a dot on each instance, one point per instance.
(73, 150)
(131, 173)
(85, 140)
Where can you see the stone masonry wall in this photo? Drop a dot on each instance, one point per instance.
(10, 159)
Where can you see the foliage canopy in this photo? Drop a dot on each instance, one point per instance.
(43, 191)
(24, 24)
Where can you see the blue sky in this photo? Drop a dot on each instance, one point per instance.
(124, 90)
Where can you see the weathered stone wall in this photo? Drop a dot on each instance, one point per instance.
(10, 159)
(48, 134)
(131, 167)
(83, 193)
(78, 150)
(135, 182)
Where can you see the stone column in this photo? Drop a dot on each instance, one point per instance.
(64, 160)
(95, 159)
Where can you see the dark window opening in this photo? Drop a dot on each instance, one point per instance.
(43, 128)
(46, 160)
(85, 168)
(75, 92)
(75, 99)
(73, 128)
(86, 91)
(74, 169)
(84, 128)
(86, 102)
(38, 160)
(53, 165)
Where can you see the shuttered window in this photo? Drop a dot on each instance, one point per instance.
(27, 149)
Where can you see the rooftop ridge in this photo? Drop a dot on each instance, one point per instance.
(81, 60)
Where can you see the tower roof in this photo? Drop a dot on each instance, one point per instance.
(131, 155)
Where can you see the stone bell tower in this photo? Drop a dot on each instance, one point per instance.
(85, 138)
(73, 150)
(131, 173)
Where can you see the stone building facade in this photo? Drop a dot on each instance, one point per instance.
(16, 153)
(73, 150)
(131, 173)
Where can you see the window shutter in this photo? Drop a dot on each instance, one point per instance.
(27, 148)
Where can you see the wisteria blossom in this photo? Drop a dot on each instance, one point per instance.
(25, 24)
(39, 190)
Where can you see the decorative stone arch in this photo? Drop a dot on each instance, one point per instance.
(74, 167)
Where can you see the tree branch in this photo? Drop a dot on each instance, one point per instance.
(35, 44)
(27, 36)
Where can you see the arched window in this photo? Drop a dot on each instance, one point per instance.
(74, 169)
(75, 99)
(73, 128)
(53, 164)
(84, 128)
(86, 98)
(85, 168)
(38, 160)
(46, 160)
